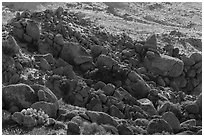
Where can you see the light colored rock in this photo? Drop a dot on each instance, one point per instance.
(148, 106)
(165, 65)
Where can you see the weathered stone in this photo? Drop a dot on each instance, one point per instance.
(187, 60)
(29, 121)
(96, 50)
(73, 127)
(148, 106)
(151, 42)
(71, 50)
(95, 104)
(18, 117)
(48, 108)
(139, 88)
(20, 95)
(192, 108)
(124, 130)
(82, 59)
(99, 85)
(58, 39)
(32, 29)
(172, 120)
(190, 122)
(141, 122)
(114, 111)
(197, 57)
(165, 65)
(158, 126)
(199, 102)
(6, 116)
(44, 64)
(107, 61)
(109, 89)
(47, 96)
(68, 71)
(10, 46)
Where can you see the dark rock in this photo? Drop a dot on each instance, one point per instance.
(114, 111)
(158, 126)
(172, 120)
(32, 29)
(148, 106)
(109, 89)
(151, 42)
(48, 108)
(192, 108)
(44, 64)
(124, 130)
(73, 127)
(20, 95)
(190, 122)
(197, 57)
(99, 85)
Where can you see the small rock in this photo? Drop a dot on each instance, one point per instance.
(172, 120)
(141, 122)
(114, 111)
(190, 122)
(151, 42)
(197, 57)
(109, 89)
(199, 102)
(96, 50)
(192, 108)
(73, 127)
(59, 125)
(82, 59)
(107, 61)
(29, 121)
(6, 116)
(148, 106)
(124, 130)
(99, 85)
(44, 64)
(158, 126)
(185, 133)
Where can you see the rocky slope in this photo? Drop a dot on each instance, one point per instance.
(100, 68)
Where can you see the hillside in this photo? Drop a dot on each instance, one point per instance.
(102, 68)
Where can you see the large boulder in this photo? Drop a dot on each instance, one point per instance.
(136, 85)
(163, 64)
(73, 53)
(172, 120)
(158, 126)
(20, 95)
(48, 108)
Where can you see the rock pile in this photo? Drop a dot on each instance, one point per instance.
(126, 86)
